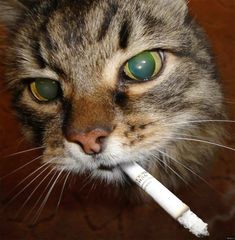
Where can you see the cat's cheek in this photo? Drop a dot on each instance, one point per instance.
(67, 156)
(61, 159)
(38, 119)
(74, 151)
(28, 133)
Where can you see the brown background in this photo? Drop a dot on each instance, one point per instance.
(85, 214)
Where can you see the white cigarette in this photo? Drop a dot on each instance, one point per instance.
(166, 199)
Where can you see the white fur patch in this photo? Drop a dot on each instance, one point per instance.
(113, 155)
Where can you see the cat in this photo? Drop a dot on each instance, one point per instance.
(99, 83)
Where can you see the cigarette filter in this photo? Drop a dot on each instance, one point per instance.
(166, 199)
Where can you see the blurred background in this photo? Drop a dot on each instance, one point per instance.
(86, 211)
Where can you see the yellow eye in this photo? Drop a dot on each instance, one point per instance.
(144, 66)
(44, 89)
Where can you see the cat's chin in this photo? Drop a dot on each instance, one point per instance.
(103, 167)
(109, 174)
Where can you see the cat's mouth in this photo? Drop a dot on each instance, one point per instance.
(107, 168)
(109, 173)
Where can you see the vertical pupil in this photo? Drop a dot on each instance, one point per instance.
(142, 66)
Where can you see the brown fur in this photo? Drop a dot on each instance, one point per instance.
(84, 46)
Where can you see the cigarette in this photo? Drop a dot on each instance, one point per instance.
(166, 199)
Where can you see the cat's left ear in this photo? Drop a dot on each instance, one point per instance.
(181, 6)
(178, 8)
(13, 10)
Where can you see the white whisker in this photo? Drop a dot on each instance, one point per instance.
(92, 188)
(229, 100)
(62, 190)
(38, 213)
(25, 187)
(24, 151)
(169, 167)
(201, 141)
(22, 181)
(18, 169)
(87, 181)
(189, 169)
(200, 121)
(41, 195)
(27, 200)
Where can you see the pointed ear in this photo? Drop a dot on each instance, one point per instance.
(11, 11)
(182, 6)
(178, 8)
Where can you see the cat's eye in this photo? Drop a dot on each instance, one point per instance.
(44, 89)
(144, 66)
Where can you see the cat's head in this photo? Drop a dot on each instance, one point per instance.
(100, 83)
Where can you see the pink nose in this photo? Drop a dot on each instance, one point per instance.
(91, 142)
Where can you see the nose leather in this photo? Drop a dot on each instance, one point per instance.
(91, 141)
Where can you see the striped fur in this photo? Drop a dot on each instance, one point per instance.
(84, 45)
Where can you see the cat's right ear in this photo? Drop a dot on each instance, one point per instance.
(11, 11)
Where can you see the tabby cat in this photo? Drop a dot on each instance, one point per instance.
(99, 83)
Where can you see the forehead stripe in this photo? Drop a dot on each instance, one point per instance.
(108, 16)
(36, 52)
(124, 34)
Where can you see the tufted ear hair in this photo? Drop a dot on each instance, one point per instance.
(12, 10)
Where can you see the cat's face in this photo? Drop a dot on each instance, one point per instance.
(99, 83)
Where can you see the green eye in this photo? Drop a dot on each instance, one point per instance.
(144, 66)
(45, 89)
